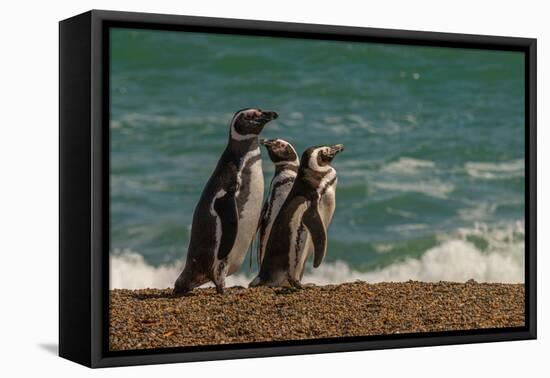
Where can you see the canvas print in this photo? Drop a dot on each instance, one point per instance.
(269, 189)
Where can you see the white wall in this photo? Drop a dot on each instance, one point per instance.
(28, 208)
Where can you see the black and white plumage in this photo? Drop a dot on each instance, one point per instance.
(284, 157)
(226, 217)
(300, 228)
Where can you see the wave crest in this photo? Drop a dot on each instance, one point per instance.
(495, 171)
(408, 166)
(481, 253)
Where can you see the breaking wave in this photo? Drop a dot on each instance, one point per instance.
(479, 253)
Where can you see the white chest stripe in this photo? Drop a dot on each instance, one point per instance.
(294, 253)
(295, 163)
(315, 166)
(325, 180)
(278, 194)
(236, 136)
(287, 173)
(249, 155)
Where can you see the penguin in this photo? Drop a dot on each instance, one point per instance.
(284, 157)
(300, 228)
(226, 217)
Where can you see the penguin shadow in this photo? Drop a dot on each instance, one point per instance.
(145, 296)
(288, 290)
(170, 295)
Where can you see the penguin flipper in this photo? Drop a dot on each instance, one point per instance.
(227, 206)
(262, 224)
(312, 220)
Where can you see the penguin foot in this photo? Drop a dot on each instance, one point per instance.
(255, 282)
(286, 290)
(180, 291)
(295, 283)
(220, 287)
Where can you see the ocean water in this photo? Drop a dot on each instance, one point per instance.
(431, 183)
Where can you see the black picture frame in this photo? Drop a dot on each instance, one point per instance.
(84, 187)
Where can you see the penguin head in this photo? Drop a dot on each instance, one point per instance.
(280, 151)
(248, 123)
(318, 158)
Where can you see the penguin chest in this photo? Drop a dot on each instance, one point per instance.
(281, 186)
(249, 202)
(327, 204)
(298, 239)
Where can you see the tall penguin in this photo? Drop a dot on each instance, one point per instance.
(302, 223)
(226, 217)
(284, 157)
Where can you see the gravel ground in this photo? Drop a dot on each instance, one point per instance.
(153, 318)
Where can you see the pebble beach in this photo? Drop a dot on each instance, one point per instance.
(154, 318)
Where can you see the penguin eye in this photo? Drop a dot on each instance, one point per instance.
(326, 156)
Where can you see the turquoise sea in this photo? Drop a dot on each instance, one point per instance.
(431, 183)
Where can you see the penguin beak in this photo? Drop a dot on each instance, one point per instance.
(268, 115)
(336, 149)
(266, 142)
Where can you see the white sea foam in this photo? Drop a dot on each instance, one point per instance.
(455, 258)
(432, 188)
(129, 270)
(407, 228)
(296, 115)
(409, 166)
(419, 180)
(492, 171)
(410, 118)
(478, 211)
